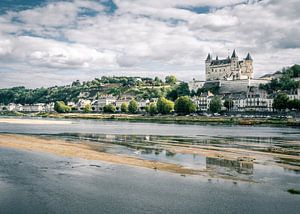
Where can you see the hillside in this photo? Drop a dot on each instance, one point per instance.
(141, 88)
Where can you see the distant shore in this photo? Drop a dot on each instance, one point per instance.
(188, 119)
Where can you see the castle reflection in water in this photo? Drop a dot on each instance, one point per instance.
(241, 167)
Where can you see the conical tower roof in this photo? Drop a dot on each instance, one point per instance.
(248, 57)
(233, 54)
(208, 58)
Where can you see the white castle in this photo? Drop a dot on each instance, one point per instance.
(228, 69)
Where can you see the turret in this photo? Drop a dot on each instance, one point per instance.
(234, 54)
(207, 66)
(208, 58)
(248, 57)
(234, 65)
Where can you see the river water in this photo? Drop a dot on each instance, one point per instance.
(33, 182)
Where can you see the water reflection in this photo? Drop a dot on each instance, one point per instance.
(220, 164)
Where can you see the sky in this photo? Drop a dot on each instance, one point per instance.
(51, 42)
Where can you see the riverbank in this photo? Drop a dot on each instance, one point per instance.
(186, 119)
(176, 119)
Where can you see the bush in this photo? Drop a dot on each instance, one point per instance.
(152, 109)
(110, 108)
(281, 101)
(61, 107)
(294, 104)
(164, 106)
(124, 108)
(170, 79)
(133, 107)
(215, 105)
(87, 108)
(184, 105)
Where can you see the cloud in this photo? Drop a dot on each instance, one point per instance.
(155, 37)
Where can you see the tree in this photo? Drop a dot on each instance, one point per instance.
(294, 104)
(170, 79)
(280, 101)
(215, 105)
(61, 107)
(87, 108)
(152, 109)
(133, 107)
(124, 108)
(109, 108)
(184, 105)
(164, 106)
(228, 103)
(157, 81)
(181, 90)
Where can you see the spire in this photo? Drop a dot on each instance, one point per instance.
(233, 54)
(217, 58)
(248, 57)
(208, 57)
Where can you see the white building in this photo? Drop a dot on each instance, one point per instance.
(195, 84)
(203, 101)
(103, 101)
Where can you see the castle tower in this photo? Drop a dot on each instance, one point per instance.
(207, 66)
(248, 64)
(234, 65)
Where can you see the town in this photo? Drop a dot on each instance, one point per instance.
(229, 88)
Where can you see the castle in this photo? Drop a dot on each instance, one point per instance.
(228, 69)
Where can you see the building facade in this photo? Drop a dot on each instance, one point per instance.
(230, 68)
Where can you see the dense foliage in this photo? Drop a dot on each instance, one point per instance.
(285, 82)
(170, 79)
(184, 105)
(179, 90)
(141, 88)
(87, 108)
(215, 105)
(124, 108)
(133, 107)
(294, 105)
(164, 106)
(109, 108)
(61, 107)
(281, 101)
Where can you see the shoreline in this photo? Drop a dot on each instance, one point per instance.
(89, 150)
(220, 120)
(92, 151)
(84, 150)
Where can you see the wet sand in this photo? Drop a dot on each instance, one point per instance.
(86, 151)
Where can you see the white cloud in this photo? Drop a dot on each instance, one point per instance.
(153, 37)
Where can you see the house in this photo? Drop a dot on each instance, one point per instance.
(103, 101)
(82, 103)
(202, 102)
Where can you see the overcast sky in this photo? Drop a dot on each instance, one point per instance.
(44, 43)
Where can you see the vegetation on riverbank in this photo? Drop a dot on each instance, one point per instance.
(174, 119)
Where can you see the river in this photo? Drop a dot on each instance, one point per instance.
(36, 182)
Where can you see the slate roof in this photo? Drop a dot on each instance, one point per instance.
(220, 62)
